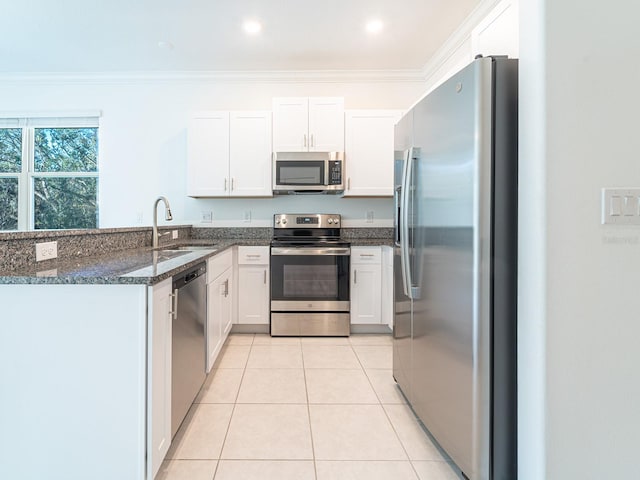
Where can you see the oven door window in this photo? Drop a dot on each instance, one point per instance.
(300, 173)
(313, 277)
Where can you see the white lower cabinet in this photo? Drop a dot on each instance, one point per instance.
(159, 376)
(219, 303)
(253, 285)
(366, 285)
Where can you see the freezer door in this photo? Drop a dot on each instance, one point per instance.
(451, 320)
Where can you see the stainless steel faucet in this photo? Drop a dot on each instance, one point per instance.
(167, 216)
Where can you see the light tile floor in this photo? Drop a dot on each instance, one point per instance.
(303, 409)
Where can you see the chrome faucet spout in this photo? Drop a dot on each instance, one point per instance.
(167, 216)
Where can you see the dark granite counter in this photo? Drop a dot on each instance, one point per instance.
(130, 260)
(140, 266)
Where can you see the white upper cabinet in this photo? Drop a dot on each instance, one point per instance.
(229, 154)
(208, 155)
(369, 152)
(313, 124)
(250, 154)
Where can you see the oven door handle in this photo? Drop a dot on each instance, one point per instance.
(336, 251)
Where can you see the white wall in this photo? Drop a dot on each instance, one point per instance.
(143, 138)
(579, 304)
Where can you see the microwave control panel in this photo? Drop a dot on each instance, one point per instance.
(335, 172)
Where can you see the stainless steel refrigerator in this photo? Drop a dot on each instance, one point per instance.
(455, 265)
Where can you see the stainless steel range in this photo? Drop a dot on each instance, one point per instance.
(309, 276)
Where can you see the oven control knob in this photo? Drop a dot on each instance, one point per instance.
(277, 221)
(330, 221)
(284, 221)
(336, 221)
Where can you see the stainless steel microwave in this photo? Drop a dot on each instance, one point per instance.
(321, 172)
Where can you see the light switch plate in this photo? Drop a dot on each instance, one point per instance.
(621, 206)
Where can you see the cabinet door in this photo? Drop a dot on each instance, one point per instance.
(208, 155)
(215, 315)
(369, 152)
(366, 285)
(250, 154)
(253, 294)
(365, 294)
(159, 377)
(290, 124)
(228, 302)
(326, 124)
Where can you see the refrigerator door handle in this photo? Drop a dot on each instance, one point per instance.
(396, 209)
(404, 223)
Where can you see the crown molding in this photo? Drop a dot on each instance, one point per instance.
(458, 37)
(284, 76)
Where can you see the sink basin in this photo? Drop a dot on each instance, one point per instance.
(192, 247)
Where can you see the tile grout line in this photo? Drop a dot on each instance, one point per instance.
(306, 391)
(233, 409)
(387, 415)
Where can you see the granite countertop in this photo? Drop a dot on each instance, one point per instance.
(140, 266)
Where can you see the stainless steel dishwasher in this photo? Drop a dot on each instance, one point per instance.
(188, 341)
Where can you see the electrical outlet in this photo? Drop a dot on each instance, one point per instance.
(370, 216)
(46, 251)
(174, 234)
(206, 216)
(247, 216)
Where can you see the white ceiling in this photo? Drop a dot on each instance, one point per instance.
(122, 35)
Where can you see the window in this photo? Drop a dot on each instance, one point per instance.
(48, 173)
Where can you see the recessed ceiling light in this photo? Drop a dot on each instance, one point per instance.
(165, 44)
(252, 27)
(374, 26)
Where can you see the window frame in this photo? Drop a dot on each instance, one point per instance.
(27, 176)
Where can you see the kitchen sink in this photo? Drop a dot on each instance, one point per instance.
(186, 247)
(191, 247)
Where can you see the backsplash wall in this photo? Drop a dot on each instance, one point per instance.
(232, 212)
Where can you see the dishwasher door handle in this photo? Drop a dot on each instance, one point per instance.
(174, 304)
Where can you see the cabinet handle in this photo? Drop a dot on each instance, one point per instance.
(265, 277)
(252, 255)
(366, 255)
(311, 144)
(349, 183)
(304, 142)
(226, 287)
(232, 182)
(225, 184)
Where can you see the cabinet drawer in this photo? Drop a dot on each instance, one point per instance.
(218, 264)
(253, 255)
(366, 255)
